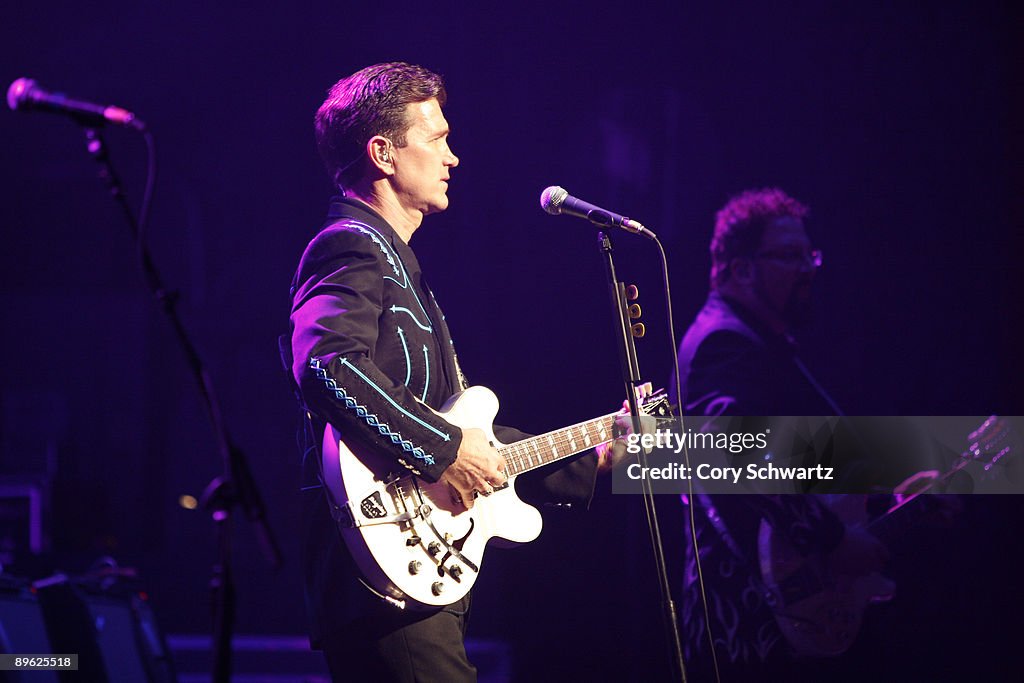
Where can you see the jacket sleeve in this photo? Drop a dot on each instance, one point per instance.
(338, 299)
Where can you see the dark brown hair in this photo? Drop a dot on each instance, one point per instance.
(370, 102)
(740, 224)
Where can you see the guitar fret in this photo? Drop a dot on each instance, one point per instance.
(536, 451)
(393, 567)
(527, 458)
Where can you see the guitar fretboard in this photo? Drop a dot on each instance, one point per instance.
(523, 456)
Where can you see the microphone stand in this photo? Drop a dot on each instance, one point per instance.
(235, 486)
(631, 378)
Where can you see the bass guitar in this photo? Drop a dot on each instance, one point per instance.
(819, 610)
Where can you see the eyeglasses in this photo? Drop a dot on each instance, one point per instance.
(793, 257)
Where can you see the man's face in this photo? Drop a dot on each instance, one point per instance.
(422, 166)
(784, 270)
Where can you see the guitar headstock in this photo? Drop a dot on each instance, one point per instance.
(656, 405)
(992, 444)
(986, 465)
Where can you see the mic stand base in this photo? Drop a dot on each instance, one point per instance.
(235, 486)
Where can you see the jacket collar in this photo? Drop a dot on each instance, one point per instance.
(349, 207)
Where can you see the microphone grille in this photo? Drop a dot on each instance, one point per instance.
(551, 199)
(18, 93)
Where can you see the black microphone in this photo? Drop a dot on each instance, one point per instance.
(26, 94)
(555, 200)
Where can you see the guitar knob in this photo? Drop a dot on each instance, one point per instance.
(436, 588)
(634, 311)
(434, 548)
(412, 540)
(415, 566)
(632, 293)
(455, 571)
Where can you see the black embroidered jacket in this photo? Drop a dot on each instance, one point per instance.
(370, 346)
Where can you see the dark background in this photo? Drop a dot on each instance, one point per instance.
(899, 124)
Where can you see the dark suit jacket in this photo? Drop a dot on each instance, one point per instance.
(731, 364)
(370, 352)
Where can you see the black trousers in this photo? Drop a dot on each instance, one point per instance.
(390, 645)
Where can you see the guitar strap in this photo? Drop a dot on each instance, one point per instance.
(817, 387)
(719, 525)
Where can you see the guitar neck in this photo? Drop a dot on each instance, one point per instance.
(898, 521)
(537, 451)
(914, 507)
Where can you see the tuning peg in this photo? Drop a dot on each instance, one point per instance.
(638, 330)
(634, 311)
(632, 293)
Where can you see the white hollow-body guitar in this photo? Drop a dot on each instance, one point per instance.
(413, 544)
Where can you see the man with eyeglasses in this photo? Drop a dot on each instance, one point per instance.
(738, 356)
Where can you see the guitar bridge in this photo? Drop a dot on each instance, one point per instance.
(369, 512)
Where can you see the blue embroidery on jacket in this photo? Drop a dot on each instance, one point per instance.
(426, 382)
(373, 235)
(396, 309)
(368, 417)
(408, 361)
(348, 364)
(380, 240)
